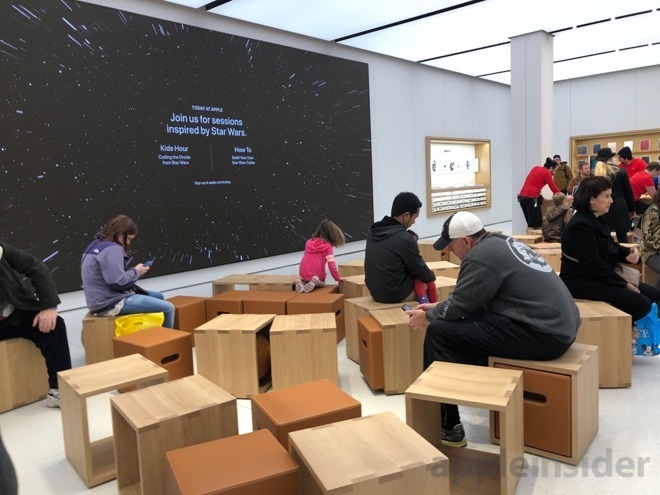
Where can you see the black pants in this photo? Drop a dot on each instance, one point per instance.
(8, 484)
(637, 305)
(473, 340)
(531, 208)
(54, 345)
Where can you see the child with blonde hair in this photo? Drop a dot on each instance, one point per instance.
(318, 253)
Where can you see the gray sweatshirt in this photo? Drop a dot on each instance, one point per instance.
(505, 277)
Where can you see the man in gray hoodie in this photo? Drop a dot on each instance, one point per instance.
(508, 302)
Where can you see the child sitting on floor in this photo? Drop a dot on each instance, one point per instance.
(318, 252)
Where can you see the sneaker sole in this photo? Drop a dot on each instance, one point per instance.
(460, 443)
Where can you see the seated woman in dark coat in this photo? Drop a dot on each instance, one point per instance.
(590, 256)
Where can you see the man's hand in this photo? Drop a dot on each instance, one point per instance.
(46, 320)
(417, 318)
(426, 306)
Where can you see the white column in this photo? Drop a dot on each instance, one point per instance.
(532, 114)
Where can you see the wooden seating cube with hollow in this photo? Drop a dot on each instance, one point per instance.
(371, 455)
(495, 389)
(560, 403)
(319, 302)
(260, 302)
(189, 313)
(97, 334)
(227, 353)
(95, 460)
(371, 352)
(354, 287)
(23, 374)
(303, 348)
(350, 268)
(250, 464)
(150, 422)
(444, 269)
(230, 301)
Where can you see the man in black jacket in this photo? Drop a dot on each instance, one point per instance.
(391, 258)
(31, 313)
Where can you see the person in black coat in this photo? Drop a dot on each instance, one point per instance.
(590, 255)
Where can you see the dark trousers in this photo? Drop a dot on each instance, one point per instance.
(473, 340)
(531, 208)
(637, 305)
(8, 484)
(54, 345)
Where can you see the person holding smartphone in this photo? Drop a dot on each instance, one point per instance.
(109, 284)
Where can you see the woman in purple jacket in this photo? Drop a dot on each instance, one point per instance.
(108, 284)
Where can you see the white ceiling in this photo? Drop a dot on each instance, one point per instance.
(470, 37)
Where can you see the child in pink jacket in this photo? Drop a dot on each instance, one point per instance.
(318, 252)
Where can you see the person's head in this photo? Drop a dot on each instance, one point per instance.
(604, 169)
(653, 169)
(551, 165)
(559, 199)
(120, 229)
(584, 168)
(625, 155)
(557, 159)
(405, 209)
(330, 232)
(460, 233)
(594, 195)
(605, 154)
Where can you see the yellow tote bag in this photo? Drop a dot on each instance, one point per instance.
(139, 321)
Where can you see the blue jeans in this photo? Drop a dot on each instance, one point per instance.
(153, 303)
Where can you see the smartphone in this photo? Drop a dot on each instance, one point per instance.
(405, 307)
(148, 263)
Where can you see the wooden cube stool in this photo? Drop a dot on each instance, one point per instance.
(303, 348)
(95, 461)
(353, 287)
(495, 389)
(347, 457)
(444, 286)
(302, 406)
(319, 302)
(23, 374)
(149, 422)
(227, 353)
(189, 313)
(610, 329)
(97, 334)
(249, 464)
(278, 283)
(403, 349)
(260, 302)
(552, 256)
(444, 269)
(529, 239)
(171, 349)
(350, 268)
(230, 282)
(560, 403)
(225, 302)
(358, 307)
(371, 352)
(429, 253)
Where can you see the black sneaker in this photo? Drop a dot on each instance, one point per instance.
(454, 437)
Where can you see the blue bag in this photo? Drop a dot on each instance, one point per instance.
(648, 334)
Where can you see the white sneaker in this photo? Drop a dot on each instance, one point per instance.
(53, 399)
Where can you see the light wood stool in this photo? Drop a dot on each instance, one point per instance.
(403, 349)
(95, 461)
(97, 334)
(358, 307)
(171, 349)
(560, 403)
(249, 464)
(444, 269)
(350, 268)
(23, 374)
(372, 455)
(610, 329)
(494, 389)
(371, 352)
(149, 422)
(319, 302)
(429, 254)
(227, 353)
(303, 348)
(302, 406)
(353, 287)
(529, 239)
